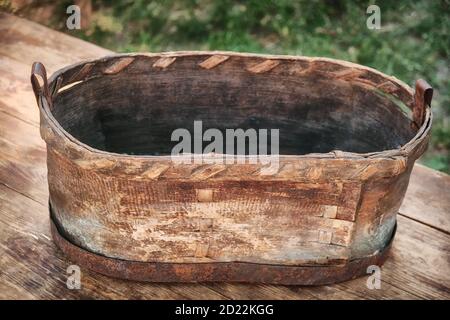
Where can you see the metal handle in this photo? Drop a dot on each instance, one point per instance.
(422, 100)
(38, 69)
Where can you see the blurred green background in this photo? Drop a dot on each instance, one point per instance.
(413, 41)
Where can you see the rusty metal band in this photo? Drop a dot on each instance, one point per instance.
(216, 271)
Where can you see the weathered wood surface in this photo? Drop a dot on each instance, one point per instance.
(31, 267)
(320, 207)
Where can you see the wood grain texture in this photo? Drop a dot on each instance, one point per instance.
(32, 268)
(428, 189)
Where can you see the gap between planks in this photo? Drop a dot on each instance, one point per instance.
(424, 223)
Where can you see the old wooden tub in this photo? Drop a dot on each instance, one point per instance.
(120, 205)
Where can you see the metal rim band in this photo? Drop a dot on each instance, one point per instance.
(217, 271)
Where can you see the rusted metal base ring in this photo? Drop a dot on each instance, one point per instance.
(217, 271)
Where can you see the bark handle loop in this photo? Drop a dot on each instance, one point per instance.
(38, 70)
(422, 100)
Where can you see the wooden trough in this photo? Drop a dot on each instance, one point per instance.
(120, 205)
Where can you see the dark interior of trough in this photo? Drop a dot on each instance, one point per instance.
(137, 113)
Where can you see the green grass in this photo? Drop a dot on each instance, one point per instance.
(413, 42)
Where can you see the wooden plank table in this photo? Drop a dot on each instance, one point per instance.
(31, 267)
